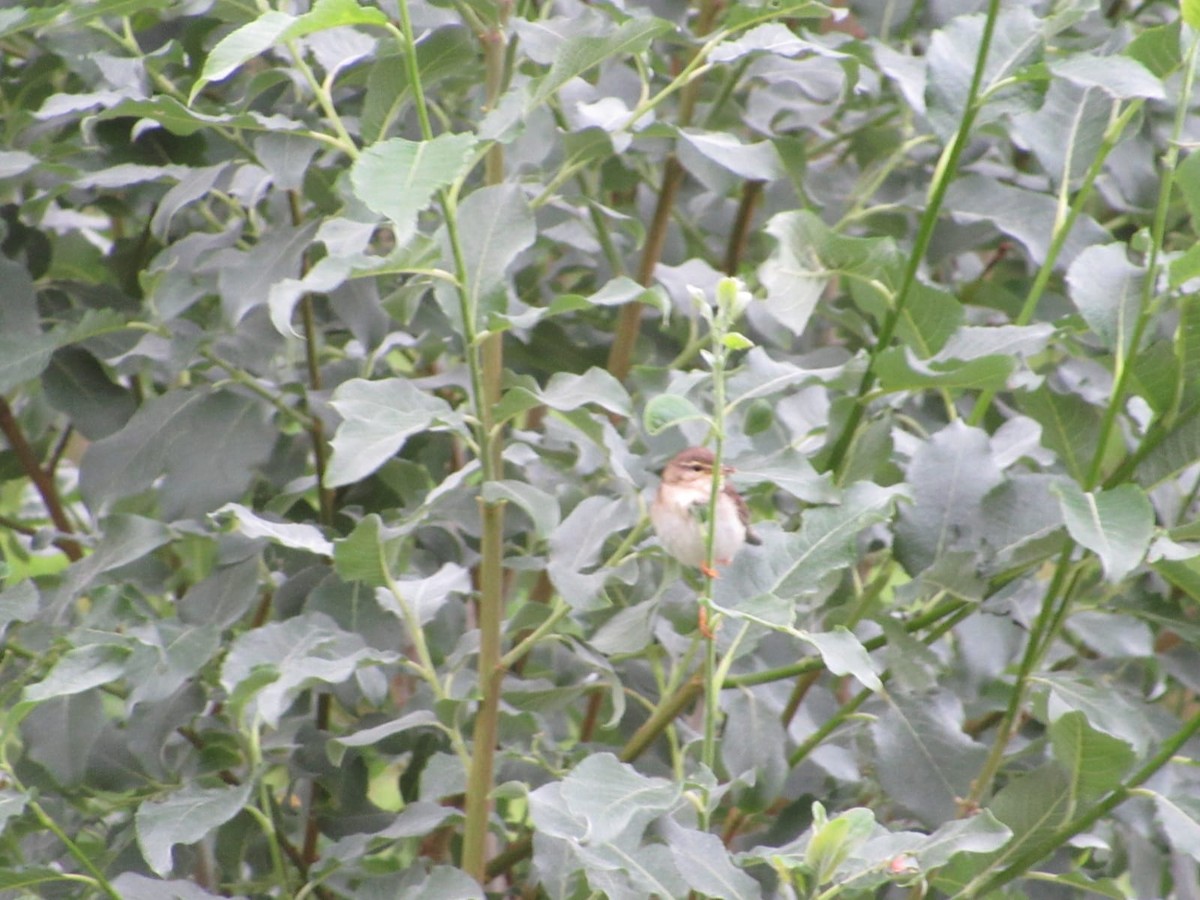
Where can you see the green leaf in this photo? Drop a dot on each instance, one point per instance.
(18, 603)
(1185, 180)
(378, 418)
(1032, 805)
(1180, 820)
(495, 225)
(80, 670)
(1016, 40)
(579, 54)
(301, 652)
(125, 539)
(1025, 215)
(1021, 520)
(1107, 710)
(366, 555)
(666, 410)
(398, 178)
(834, 840)
(541, 507)
(1066, 152)
(793, 566)
(185, 817)
(925, 761)
(1116, 525)
(132, 886)
(12, 803)
(755, 757)
(737, 341)
(806, 256)
(1158, 48)
(1190, 11)
(774, 37)
(1095, 761)
(614, 799)
(843, 654)
(755, 162)
(565, 391)
(1118, 76)
(77, 386)
(1070, 426)
(1106, 287)
(167, 654)
(327, 14)
(240, 45)
(1178, 450)
(286, 534)
(950, 475)
(705, 864)
(899, 370)
(205, 445)
(368, 737)
(24, 357)
(179, 119)
(980, 833)
(576, 545)
(744, 14)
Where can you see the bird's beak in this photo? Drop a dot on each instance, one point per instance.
(727, 470)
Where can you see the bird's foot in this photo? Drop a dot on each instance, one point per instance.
(702, 622)
(709, 571)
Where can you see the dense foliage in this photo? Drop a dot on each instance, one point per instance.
(340, 344)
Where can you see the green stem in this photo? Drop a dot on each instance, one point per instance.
(943, 175)
(663, 715)
(851, 706)
(82, 858)
(1058, 239)
(343, 141)
(510, 659)
(720, 322)
(1123, 363)
(815, 663)
(251, 384)
(267, 824)
(485, 360)
(1041, 636)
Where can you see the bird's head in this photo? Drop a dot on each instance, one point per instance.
(692, 467)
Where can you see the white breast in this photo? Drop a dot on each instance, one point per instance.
(683, 533)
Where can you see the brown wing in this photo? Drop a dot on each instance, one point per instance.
(743, 514)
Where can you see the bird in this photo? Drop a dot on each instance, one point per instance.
(679, 514)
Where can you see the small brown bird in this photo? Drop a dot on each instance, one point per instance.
(680, 507)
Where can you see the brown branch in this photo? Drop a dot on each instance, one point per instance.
(629, 322)
(736, 248)
(316, 430)
(42, 480)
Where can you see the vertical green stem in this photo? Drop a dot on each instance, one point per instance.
(720, 322)
(1123, 363)
(486, 356)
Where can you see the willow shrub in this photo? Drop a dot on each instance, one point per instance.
(340, 345)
